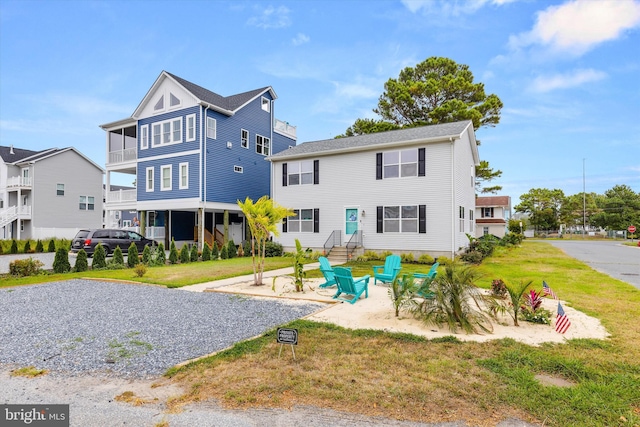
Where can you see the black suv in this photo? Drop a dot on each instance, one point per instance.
(110, 239)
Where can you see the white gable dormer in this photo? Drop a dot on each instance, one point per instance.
(165, 96)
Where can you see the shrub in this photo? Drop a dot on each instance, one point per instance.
(240, 251)
(132, 256)
(173, 253)
(472, 257)
(206, 252)
(25, 267)
(512, 239)
(99, 257)
(81, 261)
(232, 250)
(532, 310)
(14, 247)
(52, 246)
(194, 253)
(160, 255)
(443, 260)
(215, 254)
(113, 265)
(39, 246)
(27, 247)
(61, 261)
(185, 254)
(425, 259)
(146, 255)
(407, 258)
(118, 258)
(498, 288)
(272, 249)
(224, 254)
(246, 247)
(140, 270)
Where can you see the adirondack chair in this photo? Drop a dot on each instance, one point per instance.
(424, 280)
(348, 286)
(390, 270)
(327, 272)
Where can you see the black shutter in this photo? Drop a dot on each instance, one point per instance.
(316, 220)
(422, 218)
(421, 166)
(316, 172)
(284, 225)
(379, 219)
(379, 167)
(284, 175)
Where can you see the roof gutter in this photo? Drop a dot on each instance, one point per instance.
(216, 108)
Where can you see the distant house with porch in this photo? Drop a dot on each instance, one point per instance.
(492, 215)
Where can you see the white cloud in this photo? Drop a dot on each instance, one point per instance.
(300, 38)
(577, 26)
(450, 7)
(567, 80)
(271, 18)
(357, 90)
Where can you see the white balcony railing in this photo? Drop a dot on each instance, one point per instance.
(121, 156)
(122, 196)
(284, 128)
(19, 181)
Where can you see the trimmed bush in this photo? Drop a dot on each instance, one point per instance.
(185, 254)
(272, 249)
(61, 261)
(118, 258)
(99, 258)
(140, 270)
(206, 252)
(224, 253)
(146, 256)
(27, 247)
(194, 254)
(39, 246)
(52, 246)
(232, 250)
(215, 254)
(160, 257)
(132, 256)
(425, 259)
(173, 253)
(14, 247)
(81, 261)
(25, 267)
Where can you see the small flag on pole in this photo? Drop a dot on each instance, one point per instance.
(562, 321)
(548, 291)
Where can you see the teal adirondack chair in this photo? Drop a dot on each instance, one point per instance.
(390, 270)
(327, 272)
(348, 286)
(424, 280)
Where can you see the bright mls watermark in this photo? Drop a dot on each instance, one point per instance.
(34, 415)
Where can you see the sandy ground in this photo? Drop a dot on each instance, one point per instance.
(376, 312)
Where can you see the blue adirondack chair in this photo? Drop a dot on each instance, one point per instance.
(390, 270)
(348, 286)
(424, 280)
(433, 272)
(327, 272)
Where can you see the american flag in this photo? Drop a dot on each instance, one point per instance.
(562, 321)
(547, 290)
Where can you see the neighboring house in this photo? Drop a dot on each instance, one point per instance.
(409, 190)
(492, 215)
(48, 193)
(194, 154)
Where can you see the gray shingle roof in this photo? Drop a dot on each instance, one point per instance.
(229, 103)
(423, 133)
(18, 154)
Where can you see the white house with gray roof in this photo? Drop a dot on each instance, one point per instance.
(409, 190)
(48, 193)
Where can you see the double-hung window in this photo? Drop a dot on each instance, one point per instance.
(300, 173)
(167, 132)
(263, 145)
(400, 164)
(303, 221)
(59, 189)
(87, 203)
(244, 138)
(191, 128)
(149, 179)
(461, 215)
(144, 137)
(184, 176)
(211, 128)
(165, 178)
(487, 212)
(266, 104)
(402, 219)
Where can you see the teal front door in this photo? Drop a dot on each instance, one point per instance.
(351, 221)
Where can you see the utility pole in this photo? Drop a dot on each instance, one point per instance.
(584, 201)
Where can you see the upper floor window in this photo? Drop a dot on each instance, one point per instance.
(87, 203)
(300, 173)
(165, 178)
(266, 104)
(244, 138)
(211, 128)
(144, 137)
(191, 128)
(263, 145)
(487, 212)
(400, 164)
(149, 179)
(167, 132)
(59, 189)
(174, 101)
(160, 104)
(184, 175)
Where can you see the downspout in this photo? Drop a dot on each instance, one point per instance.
(203, 185)
(453, 199)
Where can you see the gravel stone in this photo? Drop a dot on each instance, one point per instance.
(127, 330)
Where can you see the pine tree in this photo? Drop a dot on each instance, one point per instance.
(61, 261)
(194, 253)
(14, 247)
(27, 247)
(185, 254)
(81, 261)
(161, 256)
(215, 254)
(146, 255)
(206, 252)
(118, 258)
(132, 256)
(52, 246)
(232, 250)
(40, 247)
(99, 257)
(173, 253)
(224, 252)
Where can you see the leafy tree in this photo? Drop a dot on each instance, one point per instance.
(543, 207)
(81, 261)
(206, 252)
(52, 246)
(263, 218)
(173, 252)
(118, 258)
(61, 261)
(619, 208)
(437, 90)
(132, 256)
(99, 257)
(578, 209)
(514, 225)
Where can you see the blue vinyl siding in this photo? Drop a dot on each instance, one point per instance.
(171, 148)
(175, 192)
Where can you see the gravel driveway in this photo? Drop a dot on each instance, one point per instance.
(127, 330)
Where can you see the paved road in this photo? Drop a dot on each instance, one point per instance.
(609, 257)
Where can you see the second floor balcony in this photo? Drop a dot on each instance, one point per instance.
(121, 145)
(122, 156)
(120, 196)
(16, 182)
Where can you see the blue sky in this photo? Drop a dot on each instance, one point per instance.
(568, 72)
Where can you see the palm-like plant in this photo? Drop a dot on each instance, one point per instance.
(456, 301)
(515, 295)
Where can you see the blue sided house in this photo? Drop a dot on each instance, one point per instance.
(192, 155)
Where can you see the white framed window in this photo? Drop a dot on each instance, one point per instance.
(301, 222)
(157, 132)
(165, 178)
(400, 163)
(159, 105)
(263, 145)
(238, 169)
(176, 127)
(184, 176)
(149, 179)
(174, 101)
(144, 137)
(265, 104)
(300, 173)
(191, 128)
(471, 221)
(211, 128)
(461, 217)
(87, 203)
(487, 212)
(59, 189)
(244, 138)
(167, 132)
(400, 219)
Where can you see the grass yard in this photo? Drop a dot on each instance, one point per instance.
(411, 378)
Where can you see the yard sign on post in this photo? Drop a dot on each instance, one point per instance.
(287, 336)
